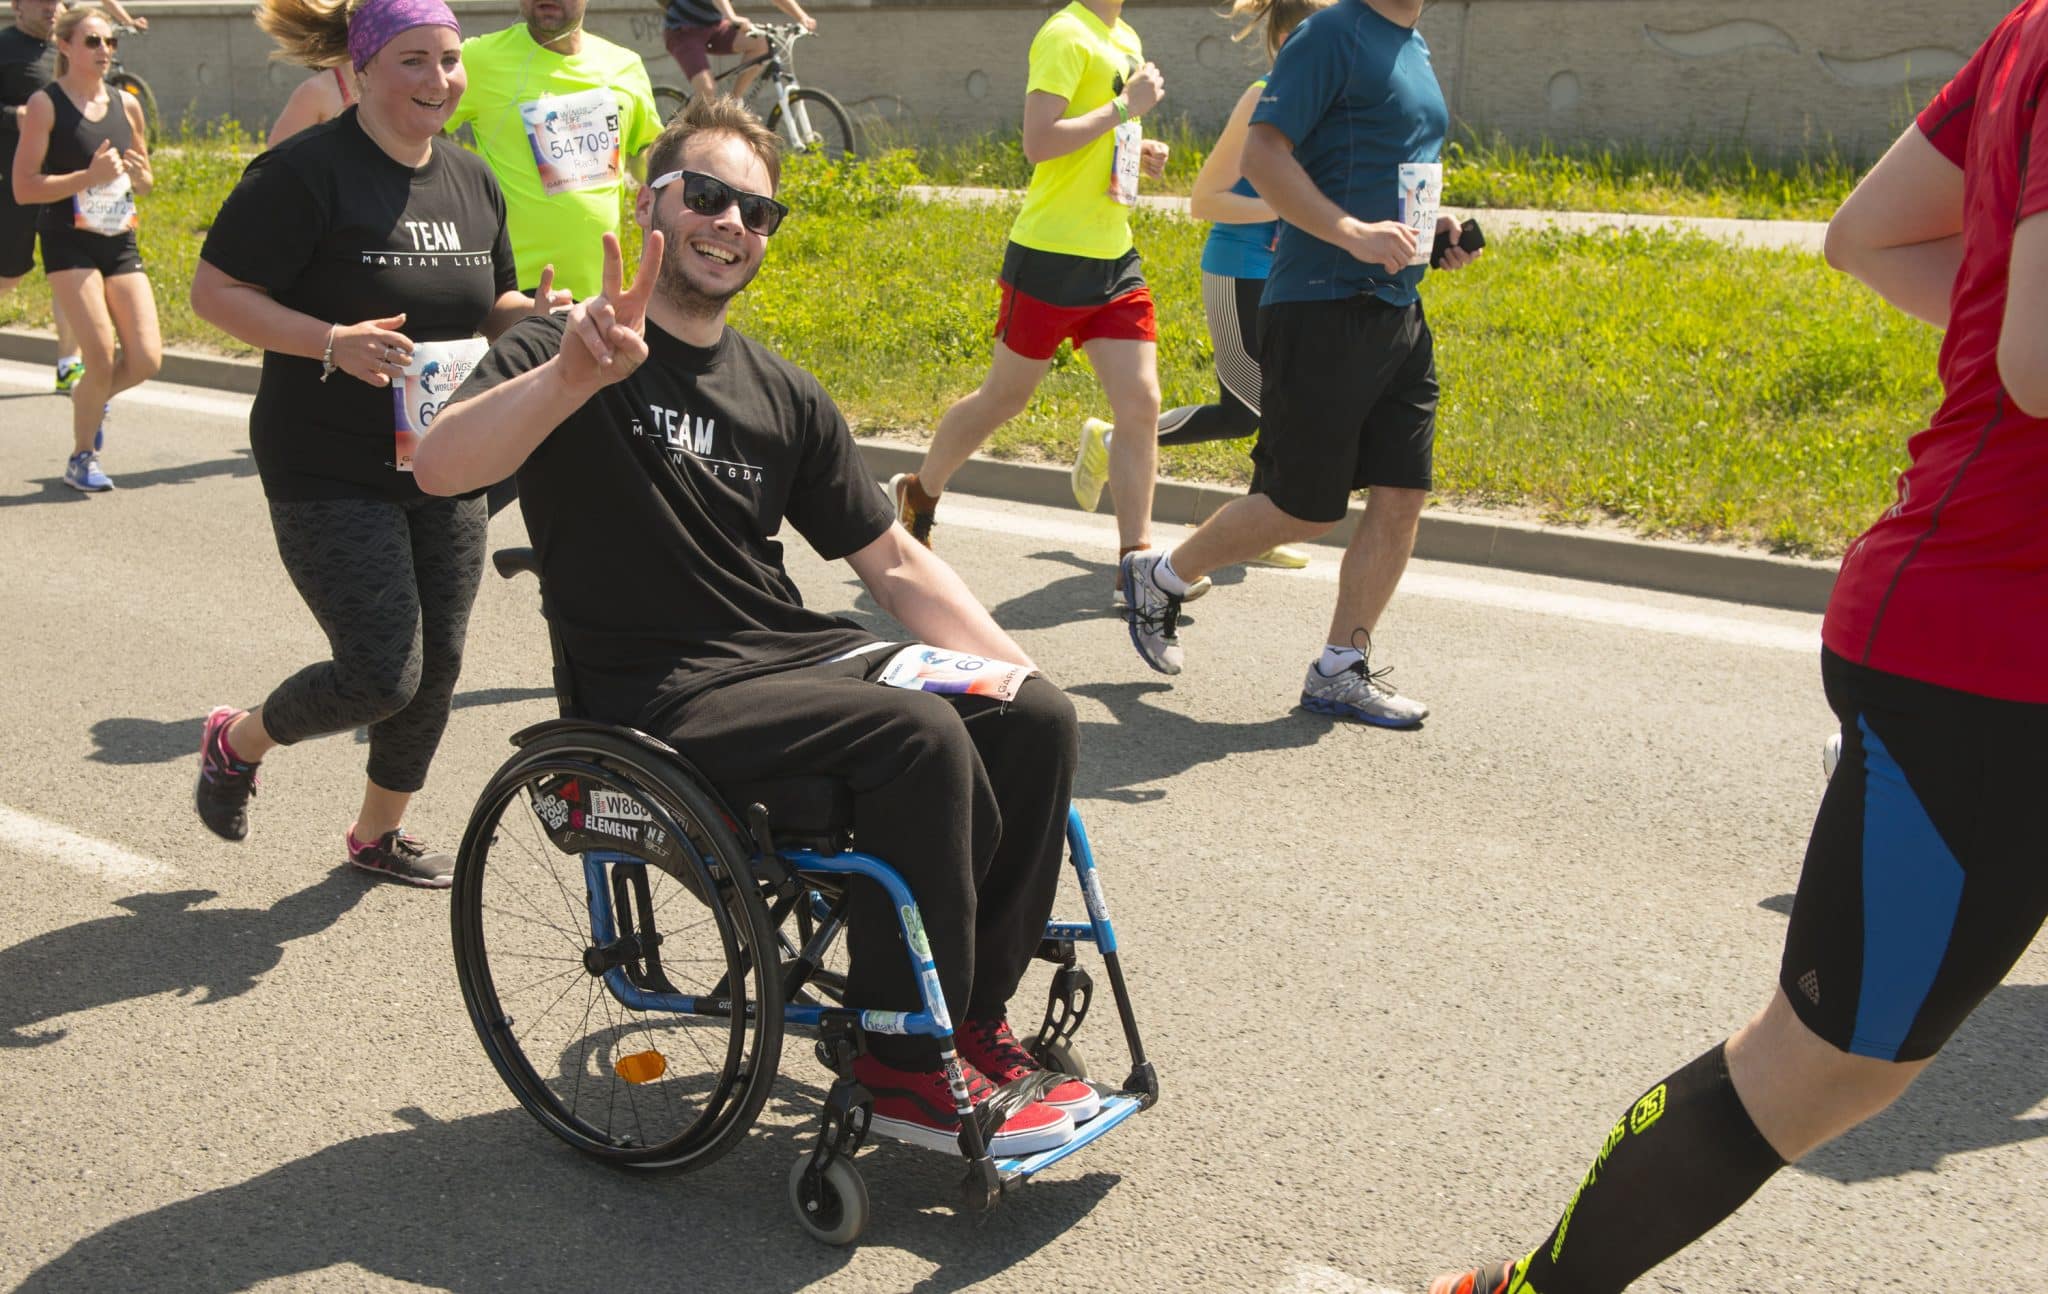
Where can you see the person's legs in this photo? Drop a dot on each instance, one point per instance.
(749, 47)
(132, 305)
(1375, 559)
(447, 539)
(974, 417)
(1129, 374)
(82, 296)
(1920, 890)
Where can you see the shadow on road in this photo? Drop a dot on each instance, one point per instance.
(1144, 744)
(130, 740)
(491, 1202)
(167, 943)
(1975, 1096)
(53, 489)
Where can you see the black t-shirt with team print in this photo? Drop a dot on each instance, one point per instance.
(653, 510)
(332, 226)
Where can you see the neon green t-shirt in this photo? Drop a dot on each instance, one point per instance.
(557, 132)
(1068, 208)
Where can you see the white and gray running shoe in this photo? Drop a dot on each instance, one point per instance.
(1118, 602)
(1360, 692)
(1153, 614)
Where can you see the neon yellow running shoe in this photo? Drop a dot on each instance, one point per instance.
(1091, 464)
(69, 370)
(1286, 557)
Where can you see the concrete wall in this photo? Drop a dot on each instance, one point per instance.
(1776, 75)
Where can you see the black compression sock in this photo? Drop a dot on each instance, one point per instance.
(1685, 1156)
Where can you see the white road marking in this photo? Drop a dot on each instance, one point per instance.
(1328, 1280)
(44, 841)
(152, 395)
(1803, 637)
(1078, 532)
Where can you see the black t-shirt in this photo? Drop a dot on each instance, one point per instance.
(26, 66)
(333, 227)
(652, 509)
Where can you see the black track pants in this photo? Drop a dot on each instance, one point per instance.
(966, 798)
(391, 585)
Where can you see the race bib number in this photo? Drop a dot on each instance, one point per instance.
(437, 368)
(933, 669)
(575, 139)
(105, 208)
(1123, 162)
(1422, 196)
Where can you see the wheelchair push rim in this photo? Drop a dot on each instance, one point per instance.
(631, 1017)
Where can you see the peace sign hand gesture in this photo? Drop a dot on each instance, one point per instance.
(607, 334)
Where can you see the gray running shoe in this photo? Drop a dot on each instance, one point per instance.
(1153, 614)
(1360, 692)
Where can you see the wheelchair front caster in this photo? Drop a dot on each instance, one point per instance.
(832, 1203)
(1064, 1057)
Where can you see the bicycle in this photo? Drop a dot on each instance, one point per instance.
(119, 78)
(808, 120)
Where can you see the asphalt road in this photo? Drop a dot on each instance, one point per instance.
(1397, 985)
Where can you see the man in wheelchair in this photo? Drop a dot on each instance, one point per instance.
(657, 451)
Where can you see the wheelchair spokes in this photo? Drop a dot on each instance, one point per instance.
(616, 991)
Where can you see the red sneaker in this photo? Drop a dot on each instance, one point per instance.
(995, 1051)
(1496, 1279)
(917, 1107)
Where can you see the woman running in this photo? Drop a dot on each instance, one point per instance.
(1235, 261)
(368, 257)
(84, 152)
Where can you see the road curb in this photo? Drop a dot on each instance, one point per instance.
(1724, 573)
(187, 368)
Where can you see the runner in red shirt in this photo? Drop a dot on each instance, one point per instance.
(1924, 880)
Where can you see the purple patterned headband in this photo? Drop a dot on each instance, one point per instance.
(371, 27)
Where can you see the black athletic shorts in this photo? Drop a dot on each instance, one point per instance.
(75, 249)
(1927, 873)
(17, 234)
(1348, 401)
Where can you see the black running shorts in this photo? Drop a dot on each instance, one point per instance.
(75, 249)
(1927, 873)
(1348, 401)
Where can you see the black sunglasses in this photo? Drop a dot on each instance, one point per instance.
(93, 41)
(707, 195)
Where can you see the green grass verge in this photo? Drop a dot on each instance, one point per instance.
(1676, 385)
(1491, 171)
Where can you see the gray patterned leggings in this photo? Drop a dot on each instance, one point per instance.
(391, 585)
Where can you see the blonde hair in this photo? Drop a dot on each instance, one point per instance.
(715, 114)
(67, 25)
(1273, 19)
(311, 33)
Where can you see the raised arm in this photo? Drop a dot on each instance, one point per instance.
(481, 440)
(1901, 230)
(929, 599)
(1212, 199)
(1047, 134)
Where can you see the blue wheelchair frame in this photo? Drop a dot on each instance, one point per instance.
(934, 1021)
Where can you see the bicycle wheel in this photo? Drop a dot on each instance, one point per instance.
(817, 125)
(606, 928)
(136, 86)
(668, 101)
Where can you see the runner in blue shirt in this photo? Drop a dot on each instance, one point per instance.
(1346, 147)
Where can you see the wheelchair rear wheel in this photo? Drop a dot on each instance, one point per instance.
(609, 937)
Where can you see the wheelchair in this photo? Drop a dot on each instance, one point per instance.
(634, 940)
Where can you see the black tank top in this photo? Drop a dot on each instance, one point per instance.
(73, 140)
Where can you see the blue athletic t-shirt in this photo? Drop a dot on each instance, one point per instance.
(1241, 251)
(1357, 96)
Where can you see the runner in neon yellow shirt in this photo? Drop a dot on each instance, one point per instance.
(560, 114)
(1070, 272)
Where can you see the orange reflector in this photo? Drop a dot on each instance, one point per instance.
(641, 1066)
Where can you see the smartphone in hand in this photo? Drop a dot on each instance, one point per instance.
(1469, 239)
